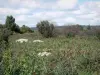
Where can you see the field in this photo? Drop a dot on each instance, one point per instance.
(69, 56)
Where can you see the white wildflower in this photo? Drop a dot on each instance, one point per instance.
(48, 54)
(22, 40)
(38, 41)
(44, 54)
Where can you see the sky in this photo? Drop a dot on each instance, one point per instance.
(59, 12)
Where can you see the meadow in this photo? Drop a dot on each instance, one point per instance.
(69, 56)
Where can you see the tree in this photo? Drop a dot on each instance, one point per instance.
(11, 25)
(46, 28)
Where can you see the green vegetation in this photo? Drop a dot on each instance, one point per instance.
(6, 30)
(69, 56)
(4, 35)
(46, 28)
(70, 34)
(25, 29)
(79, 55)
(11, 25)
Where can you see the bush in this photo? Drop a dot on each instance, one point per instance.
(70, 34)
(25, 29)
(98, 33)
(46, 28)
(72, 30)
(4, 35)
(17, 29)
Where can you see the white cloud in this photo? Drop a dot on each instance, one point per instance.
(38, 16)
(66, 20)
(88, 16)
(66, 4)
(49, 14)
(88, 7)
(95, 21)
(77, 12)
(21, 18)
(57, 4)
(30, 12)
(88, 12)
(10, 11)
(0, 21)
(25, 3)
(70, 20)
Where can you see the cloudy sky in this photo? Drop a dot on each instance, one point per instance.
(61, 12)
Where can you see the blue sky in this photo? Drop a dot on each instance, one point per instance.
(60, 12)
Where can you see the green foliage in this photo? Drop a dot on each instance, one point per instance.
(71, 56)
(72, 30)
(17, 29)
(70, 34)
(88, 27)
(46, 28)
(98, 34)
(25, 29)
(4, 35)
(11, 25)
(6, 63)
(1, 26)
(81, 27)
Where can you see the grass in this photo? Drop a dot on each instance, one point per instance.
(70, 56)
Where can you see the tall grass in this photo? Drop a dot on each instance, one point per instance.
(69, 56)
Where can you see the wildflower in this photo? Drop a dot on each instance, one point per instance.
(44, 54)
(38, 41)
(22, 40)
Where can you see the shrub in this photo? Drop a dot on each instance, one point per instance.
(4, 35)
(88, 27)
(17, 29)
(72, 30)
(98, 33)
(70, 34)
(25, 29)
(46, 28)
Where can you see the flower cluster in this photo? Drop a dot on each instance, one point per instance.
(22, 40)
(44, 54)
(38, 41)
